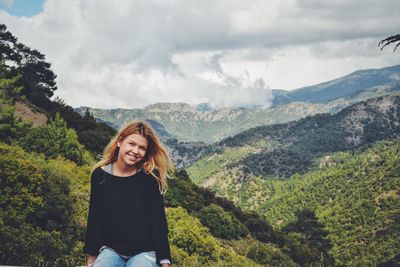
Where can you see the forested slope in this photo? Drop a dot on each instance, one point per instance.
(349, 205)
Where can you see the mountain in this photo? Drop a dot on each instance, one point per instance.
(207, 125)
(350, 86)
(188, 124)
(341, 181)
(279, 151)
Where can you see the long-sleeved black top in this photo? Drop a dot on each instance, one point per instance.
(126, 214)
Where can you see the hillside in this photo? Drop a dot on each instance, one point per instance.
(281, 150)
(353, 197)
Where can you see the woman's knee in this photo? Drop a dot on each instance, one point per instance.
(145, 259)
(108, 258)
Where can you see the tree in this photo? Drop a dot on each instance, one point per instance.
(390, 40)
(54, 140)
(37, 79)
(9, 126)
(309, 243)
(222, 224)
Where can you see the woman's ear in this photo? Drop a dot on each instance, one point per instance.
(119, 142)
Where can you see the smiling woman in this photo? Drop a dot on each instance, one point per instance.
(127, 225)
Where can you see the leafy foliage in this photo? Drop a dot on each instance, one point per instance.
(222, 224)
(92, 134)
(184, 193)
(36, 222)
(193, 245)
(308, 232)
(54, 140)
(9, 127)
(37, 79)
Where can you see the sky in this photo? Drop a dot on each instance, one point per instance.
(228, 53)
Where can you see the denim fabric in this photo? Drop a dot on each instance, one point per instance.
(110, 258)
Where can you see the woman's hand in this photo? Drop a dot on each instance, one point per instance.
(90, 260)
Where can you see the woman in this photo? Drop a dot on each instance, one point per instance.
(127, 225)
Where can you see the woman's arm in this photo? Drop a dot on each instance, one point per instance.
(159, 226)
(92, 236)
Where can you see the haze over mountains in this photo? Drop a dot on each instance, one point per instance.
(187, 123)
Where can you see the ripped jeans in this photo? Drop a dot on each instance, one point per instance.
(110, 258)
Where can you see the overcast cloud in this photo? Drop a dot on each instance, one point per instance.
(130, 54)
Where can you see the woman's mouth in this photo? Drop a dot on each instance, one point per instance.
(133, 156)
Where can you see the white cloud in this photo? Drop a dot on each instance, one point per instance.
(133, 53)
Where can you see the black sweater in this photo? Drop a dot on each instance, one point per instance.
(126, 214)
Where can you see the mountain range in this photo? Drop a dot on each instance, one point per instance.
(191, 124)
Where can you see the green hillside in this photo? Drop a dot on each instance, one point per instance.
(295, 147)
(355, 197)
(357, 201)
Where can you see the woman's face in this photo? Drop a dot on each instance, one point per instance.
(132, 149)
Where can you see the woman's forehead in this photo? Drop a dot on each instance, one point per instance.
(139, 139)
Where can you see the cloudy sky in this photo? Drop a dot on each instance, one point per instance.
(132, 53)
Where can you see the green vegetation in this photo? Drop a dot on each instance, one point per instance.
(345, 212)
(358, 202)
(56, 139)
(38, 220)
(208, 166)
(193, 245)
(297, 146)
(221, 223)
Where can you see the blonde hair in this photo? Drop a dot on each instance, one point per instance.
(156, 159)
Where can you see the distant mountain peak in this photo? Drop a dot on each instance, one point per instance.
(168, 107)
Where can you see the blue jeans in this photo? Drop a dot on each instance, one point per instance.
(110, 258)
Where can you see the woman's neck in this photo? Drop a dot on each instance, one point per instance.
(122, 169)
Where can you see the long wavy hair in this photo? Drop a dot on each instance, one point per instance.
(157, 160)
